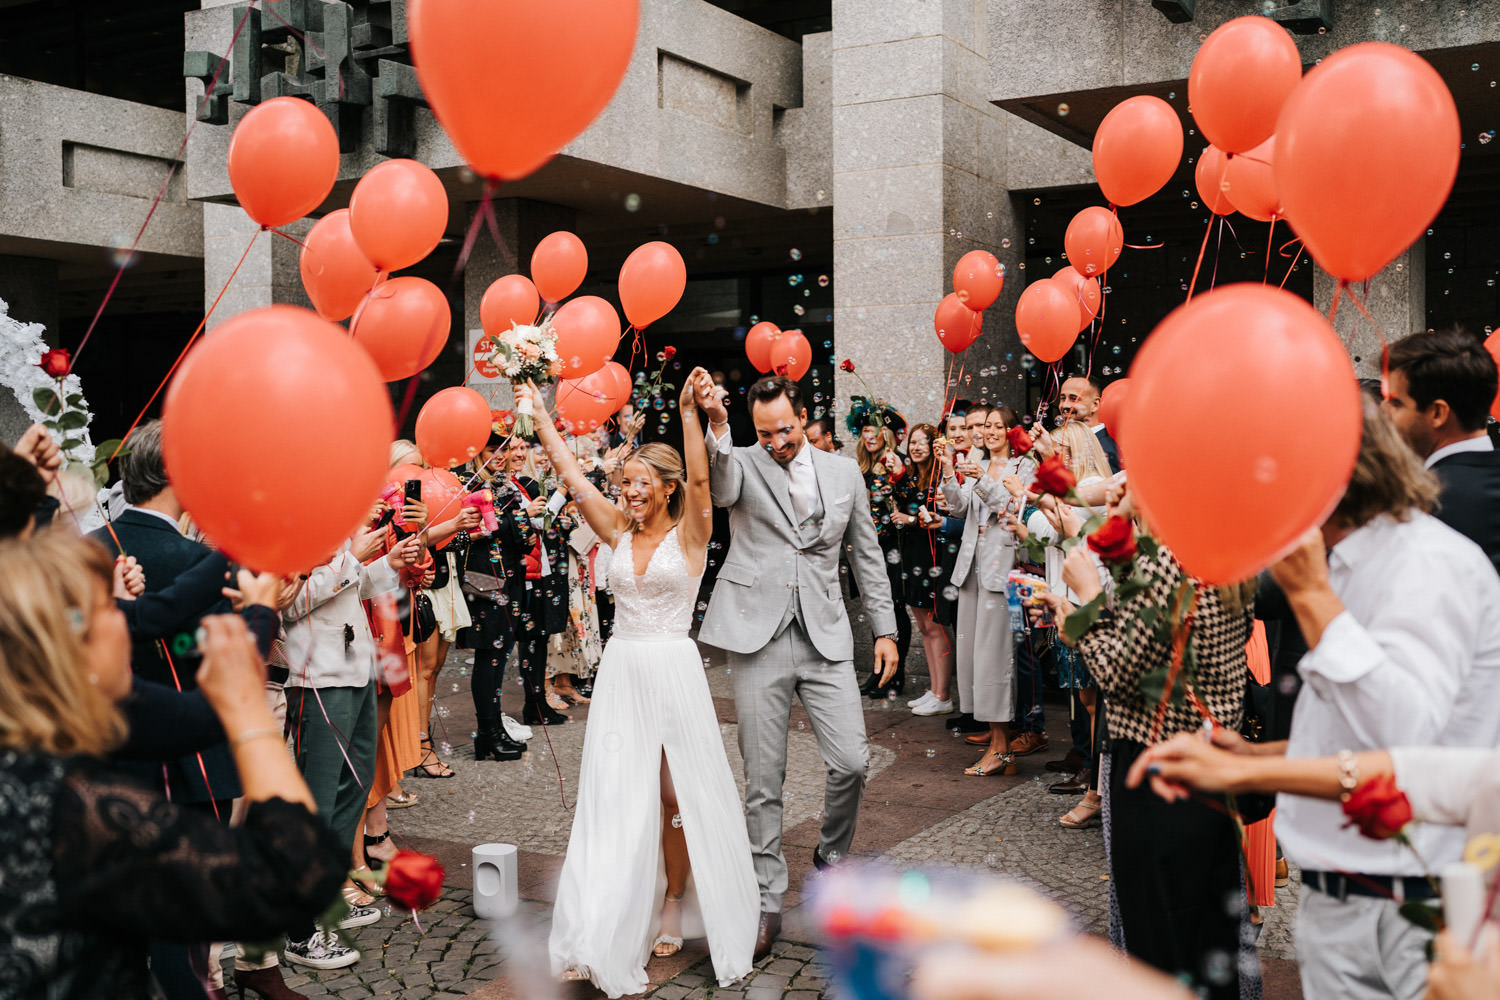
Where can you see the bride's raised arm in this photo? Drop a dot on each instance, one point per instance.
(697, 524)
(598, 510)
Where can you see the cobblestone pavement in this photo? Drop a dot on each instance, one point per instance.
(919, 810)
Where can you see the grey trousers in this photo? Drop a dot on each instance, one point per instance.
(1358, 949)
(764, 683)
(320, 751)
(986, 670)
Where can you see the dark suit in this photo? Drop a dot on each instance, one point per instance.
(1111, 450)
(164, 554)
(1470, 501)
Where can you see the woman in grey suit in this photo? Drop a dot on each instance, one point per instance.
(986, 670)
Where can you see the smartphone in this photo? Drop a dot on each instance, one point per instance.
(384, 519)
(414, 490)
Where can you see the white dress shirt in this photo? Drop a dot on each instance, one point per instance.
(1480, 442)
(1414, 659)
(158, 514)
(802, 479)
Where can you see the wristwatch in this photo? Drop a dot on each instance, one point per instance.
(889, 635)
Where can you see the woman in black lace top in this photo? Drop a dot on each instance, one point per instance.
(94, 862)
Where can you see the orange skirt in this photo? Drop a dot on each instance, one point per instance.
(398, 747)
(1260, 846)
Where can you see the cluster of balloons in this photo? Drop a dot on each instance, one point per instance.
(977, 281)
(1052, 312)
(772, 349)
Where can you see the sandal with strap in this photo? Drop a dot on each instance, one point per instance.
(431, 760)
(1085, 814)
(575, 976)
(400, 798)
(1002, 763)
(357, 895)
(375, 861)
(667, 945)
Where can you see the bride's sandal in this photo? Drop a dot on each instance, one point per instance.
(575, 976)
(666, 944)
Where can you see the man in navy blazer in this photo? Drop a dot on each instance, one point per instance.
(1440, 389)
(1078, 400)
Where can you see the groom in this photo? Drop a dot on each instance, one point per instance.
(778, 611)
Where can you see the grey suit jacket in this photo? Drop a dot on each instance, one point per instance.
(989, 552)
(773, 568)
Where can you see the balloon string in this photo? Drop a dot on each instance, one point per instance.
(1202, 249)
(1218, 253)
(472, 235)
(129, 256)
(1145, 246)
(490, 220)
(1265, 276)
(1281, 250)
(1385, 351)
(288, 236)
(1293, 266)
(185, 347)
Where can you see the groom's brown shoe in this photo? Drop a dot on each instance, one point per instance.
(770, 926)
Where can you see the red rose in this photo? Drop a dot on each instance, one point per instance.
(847, 365)
(1020, 441)
(1114, 540)
(1053, 476)
(1378, 808)
(56, 362)
(413, 881)
(668, 353)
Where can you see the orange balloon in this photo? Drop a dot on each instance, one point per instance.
(1252, 183)
(1047, 319)
(398, 212)
(956, 324)
(791, 355)
(624, 385)
(758, 344)
(588, 331)
(1093, 241)
(322, 427)
(1366, 152)
(1209, 177)
(1242, 75)
(1085, 292)
(585, 403)
(558, 265)
(652, 281)
(1111, 402)
(1492, 344)
(509, 301)
(512, 83)
(403, 324)
(283, 160)
(978, 278)
(453, 426)
(1137, 149)
(1277, 462)
(334, 269)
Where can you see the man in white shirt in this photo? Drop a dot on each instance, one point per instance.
(1079, 400)
(1404, 648)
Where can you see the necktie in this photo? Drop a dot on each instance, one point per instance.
(797, 486)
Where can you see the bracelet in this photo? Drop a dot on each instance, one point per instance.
(250, 735)
(1348, 774)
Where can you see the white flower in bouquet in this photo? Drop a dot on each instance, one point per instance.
(527, 354)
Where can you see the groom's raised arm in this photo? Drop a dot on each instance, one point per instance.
(724, 476)
(868, 562)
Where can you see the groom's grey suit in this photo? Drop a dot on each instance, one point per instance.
(778, 610)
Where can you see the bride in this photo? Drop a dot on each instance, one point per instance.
(658, 850)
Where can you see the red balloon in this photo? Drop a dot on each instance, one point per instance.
(1137, 149)
(624, 385)
(1492, 344)
(956, 324)
(1277, 461)
(758, 344)
(1209, 177)
(321, 431)
(398, 212)
(403, 324)
(978, 278)
(652, 281)
(1111, 402)
(791, 355)
(1242, 75)
(585, 403)
(1093, 241)
(1085, 292)
(453, 426)
(512, 83)
(509, 301)
(1047, 319)
(335, 271)
(1252, 183)
(283, 160)
(1366, 152)
(558, 265)
(588, 331)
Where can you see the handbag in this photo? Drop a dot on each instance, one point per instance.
(418, 617)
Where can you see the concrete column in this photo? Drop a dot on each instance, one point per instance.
(918, 174)
(269, 274)
(1396, 299)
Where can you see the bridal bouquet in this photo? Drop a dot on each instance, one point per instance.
(527, 354)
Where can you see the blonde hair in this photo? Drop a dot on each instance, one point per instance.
(1388, 477)
(1085, 455)
(404, 452)
(49, 589)
(862, 454)
(666, 464)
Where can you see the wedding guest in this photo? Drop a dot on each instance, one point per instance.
(965, 444)
(820, 435)
(544, 610)
(891, 493)
(1439, 393)
(108, 859)
(928, 563)
(1079, 400)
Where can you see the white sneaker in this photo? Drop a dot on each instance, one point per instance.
(933, 707)
(359, 916)
(515, 730)
(323, 950)
(926, 697)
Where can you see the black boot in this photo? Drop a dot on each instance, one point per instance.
(541, 714)
(871, 684)
(492, 743)
(897, 684)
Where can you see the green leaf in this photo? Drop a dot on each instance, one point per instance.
(1422, 914)
(1091, 525)
(104, 449)
(1036, 549)
(73, 420)
(1152, 683)
(76, 400)
(46, 400)
(71, 443)
(51, 425)
(1069, 544)
(1082, 619)
(1148, 545)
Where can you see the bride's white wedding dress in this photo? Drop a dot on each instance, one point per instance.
(651, 697)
